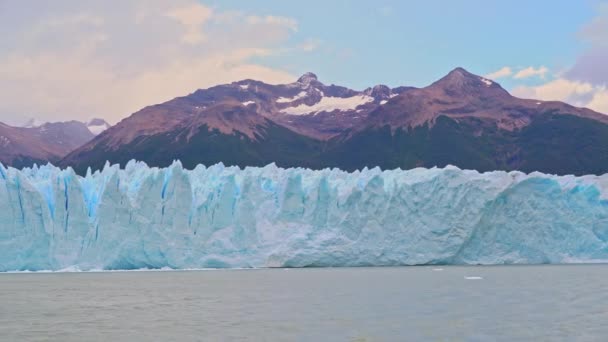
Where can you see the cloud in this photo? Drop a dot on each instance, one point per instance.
(581, 94)
(585, 84)
(524, 73)
(310, 45)
(95, 90)
(556, 90)
(273, 20)
(595, 31)
(192, 17)
(591, 65)
(77, 60)
(500, 73)
(600, 101)
(531, 72)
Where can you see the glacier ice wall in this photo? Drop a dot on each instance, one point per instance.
(141, 217)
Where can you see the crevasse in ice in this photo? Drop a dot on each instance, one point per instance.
(142, 217)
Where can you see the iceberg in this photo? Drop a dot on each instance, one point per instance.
(227, 217)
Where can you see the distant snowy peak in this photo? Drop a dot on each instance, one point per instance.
(40, 142)
(96, 126)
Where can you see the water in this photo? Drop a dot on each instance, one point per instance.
(347, 304)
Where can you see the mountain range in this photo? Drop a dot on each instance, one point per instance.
(42, 142)
(462, 119)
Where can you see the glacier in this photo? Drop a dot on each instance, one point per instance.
(227, 217)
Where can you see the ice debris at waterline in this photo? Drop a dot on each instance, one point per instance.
(142, 217)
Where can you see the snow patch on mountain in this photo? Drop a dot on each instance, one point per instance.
(486, 81)
(329, 104)
(300, 95)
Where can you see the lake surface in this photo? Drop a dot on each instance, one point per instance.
(444, 303)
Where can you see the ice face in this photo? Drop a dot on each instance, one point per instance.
(141, 217)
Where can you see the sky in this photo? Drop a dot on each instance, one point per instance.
(80, 59)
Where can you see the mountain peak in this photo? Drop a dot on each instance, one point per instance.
(460, 75)
(307, 78)
(96, 122)
(97, 125)
(459, 81)
(379, 91)
(460, 71)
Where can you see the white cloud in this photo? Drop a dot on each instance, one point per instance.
(590, 65)
(192, 17)
(273, 20)
(582, 94)
(71, 60)
(95, 90)
(558, 90)
(528, 72)
(310, 45)
(599, 102)
(79, 18)
(595, 31)
(585, 84)
(531, 72)
(500, 73)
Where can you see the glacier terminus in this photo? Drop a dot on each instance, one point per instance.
(227, 217)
